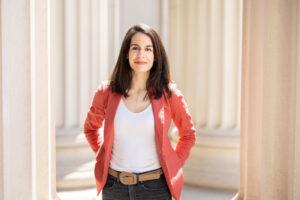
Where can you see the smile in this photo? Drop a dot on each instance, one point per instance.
(140, 63)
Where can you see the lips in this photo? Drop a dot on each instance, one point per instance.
(140, 62)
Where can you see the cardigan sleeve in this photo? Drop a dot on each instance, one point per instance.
(95, 118)
(183, 121)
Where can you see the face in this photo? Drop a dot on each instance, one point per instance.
(141, 55)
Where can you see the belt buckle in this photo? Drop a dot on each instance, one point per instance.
(128, 178)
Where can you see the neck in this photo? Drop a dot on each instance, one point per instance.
(138, 82)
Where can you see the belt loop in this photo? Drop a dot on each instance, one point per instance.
(118, 176)
(137, 177)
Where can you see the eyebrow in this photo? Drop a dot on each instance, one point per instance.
(149, 45)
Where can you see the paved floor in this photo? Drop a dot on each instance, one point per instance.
(188, 193)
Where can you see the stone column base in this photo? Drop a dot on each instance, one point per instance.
(74, 161)
(214, 160)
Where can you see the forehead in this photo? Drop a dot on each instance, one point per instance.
(141, 39)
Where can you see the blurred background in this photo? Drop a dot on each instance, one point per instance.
(203, 42)
(235, 61)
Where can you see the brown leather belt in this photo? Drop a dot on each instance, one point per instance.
(131, 178)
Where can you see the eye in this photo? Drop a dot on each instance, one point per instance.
(148, 49)
(134, 48)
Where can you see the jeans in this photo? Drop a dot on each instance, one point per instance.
(152, 189)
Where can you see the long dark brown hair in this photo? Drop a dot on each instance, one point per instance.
(159, 76)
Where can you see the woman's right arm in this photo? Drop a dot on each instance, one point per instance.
(95, 118)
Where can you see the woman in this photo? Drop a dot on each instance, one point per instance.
(134, 157)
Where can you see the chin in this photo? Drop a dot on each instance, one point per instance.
(141, 71)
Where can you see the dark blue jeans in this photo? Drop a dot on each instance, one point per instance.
(146, 190)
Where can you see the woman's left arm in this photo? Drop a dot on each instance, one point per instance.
(183, 121)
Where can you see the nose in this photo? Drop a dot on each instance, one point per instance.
(141, 52)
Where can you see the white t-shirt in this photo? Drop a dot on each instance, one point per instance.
(134, 147)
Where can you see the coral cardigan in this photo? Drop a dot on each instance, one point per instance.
(103, 108)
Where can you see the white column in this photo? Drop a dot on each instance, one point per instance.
(164, 13)
(85, 42)
(27, 111)
(71, 64)
(202, 42)
(82, 63)
(270, 121)
(103, 40)
(175, 48)
(59, 64)
(215, 63)
(205, 62)
(1, 118)
(95, 43)
(231, 62)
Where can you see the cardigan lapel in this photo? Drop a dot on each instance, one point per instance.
(159, 117)
(112, 105)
